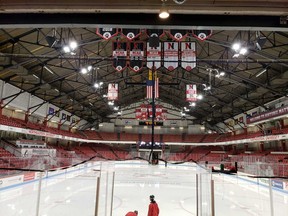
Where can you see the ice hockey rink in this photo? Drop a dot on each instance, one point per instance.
(74, 193)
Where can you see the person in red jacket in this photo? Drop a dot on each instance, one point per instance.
(153, 207)
(135, 213)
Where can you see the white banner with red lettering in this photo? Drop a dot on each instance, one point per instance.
(145, 112)
(158, 112)
(138, 114)
(188, 55)
(112, 91)
(191, 93)
(171, 55)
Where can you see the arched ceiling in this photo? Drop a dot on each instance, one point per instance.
(29, 63)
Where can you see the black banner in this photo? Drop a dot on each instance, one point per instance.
(119, 55)
(136, 55)
(107, 33)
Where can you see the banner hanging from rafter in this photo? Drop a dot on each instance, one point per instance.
(145, 112)
(136, 55)
(188, 55)
(107, 33)
(177, 35)
(131, 34)
(149, 85)
(153, 56)
(119, 55)
(191, 93)
(171, 55)
(112, 91)
(202, 34)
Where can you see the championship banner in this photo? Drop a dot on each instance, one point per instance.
(144, 114)
(119, 55)
(136, 55)
(107, 33)
(158, 112)
(164, 114)
(150, 111)
(153, 56)
(202, 34)
(191, 93)
(131, 34)
(188, 55)
(112, 91)
(171, 55)
(177, 35)
(138, 114)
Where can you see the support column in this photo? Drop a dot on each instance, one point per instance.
(27, 116)
(281, 123)
(245, 131)
(1, 104)
(261, 145)
(246, 147)
(45, 122)
(234, 150)
(283, 145)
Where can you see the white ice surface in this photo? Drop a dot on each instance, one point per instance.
(174, 187)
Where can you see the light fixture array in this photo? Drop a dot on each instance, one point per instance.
(191, 104)
(70, 48)
(218, 74)
(239, 49)
(98, 84)
(86, 69)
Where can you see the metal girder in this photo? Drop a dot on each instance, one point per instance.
(146, 20)
(15, 39)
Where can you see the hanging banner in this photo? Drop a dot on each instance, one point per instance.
(188, 55)
(144, 114)
(164, 114)
(153, 57)
(202, 34)
(149, 86)
(107, 33)
(119, 55)
(158, 112)
(177, 35)
(155, 33)
(171, 55)
(154, 36)
(112, 91)
(131, 34)
(150, 111)
(191, 93)
(136, 55)
(138, 114)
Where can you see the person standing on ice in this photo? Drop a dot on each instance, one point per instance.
(135, 213)
(153, 207)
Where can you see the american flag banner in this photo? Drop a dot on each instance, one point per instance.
(149, 86)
